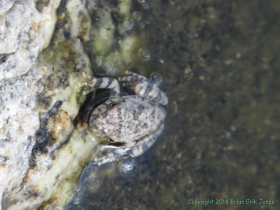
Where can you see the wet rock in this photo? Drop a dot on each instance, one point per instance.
(44, 145)
(19, 75)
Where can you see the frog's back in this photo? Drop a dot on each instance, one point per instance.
(140, 118)
(133, 118)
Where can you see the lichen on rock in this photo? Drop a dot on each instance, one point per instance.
(44, 146)
(19, 74)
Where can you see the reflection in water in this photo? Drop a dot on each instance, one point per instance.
(95, 176)
(127, 164)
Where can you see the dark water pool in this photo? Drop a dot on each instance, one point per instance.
(220, 64)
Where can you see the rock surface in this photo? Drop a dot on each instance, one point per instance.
(19, 74)
(44, 148)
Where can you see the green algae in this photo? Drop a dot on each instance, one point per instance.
(221, 139)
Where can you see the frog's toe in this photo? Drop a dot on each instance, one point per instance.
(86, 75)
(151, 92)
(129, 73)
(131, 76)
(125, 79)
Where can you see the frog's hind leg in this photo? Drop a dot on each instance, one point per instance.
(101, 83)
(143, 145)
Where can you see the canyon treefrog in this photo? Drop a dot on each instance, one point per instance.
(133, 121)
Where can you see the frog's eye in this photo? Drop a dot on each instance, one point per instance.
(112, 105)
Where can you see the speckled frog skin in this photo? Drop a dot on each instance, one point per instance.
(134, 120)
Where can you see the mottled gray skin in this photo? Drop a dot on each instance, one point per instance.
(135, 120)
(126, 119)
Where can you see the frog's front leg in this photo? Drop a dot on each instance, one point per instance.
(144, 88)
(100, 83)
(151, 92)
(132, 77)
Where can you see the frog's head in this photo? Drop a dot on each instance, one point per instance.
(106, 119)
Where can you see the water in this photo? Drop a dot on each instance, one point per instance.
(221, 137)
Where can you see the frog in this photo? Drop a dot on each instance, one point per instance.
(132, 122)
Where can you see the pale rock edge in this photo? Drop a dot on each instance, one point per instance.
(24, 33)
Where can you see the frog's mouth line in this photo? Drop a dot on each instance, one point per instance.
(111, 142)
(116, 144)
